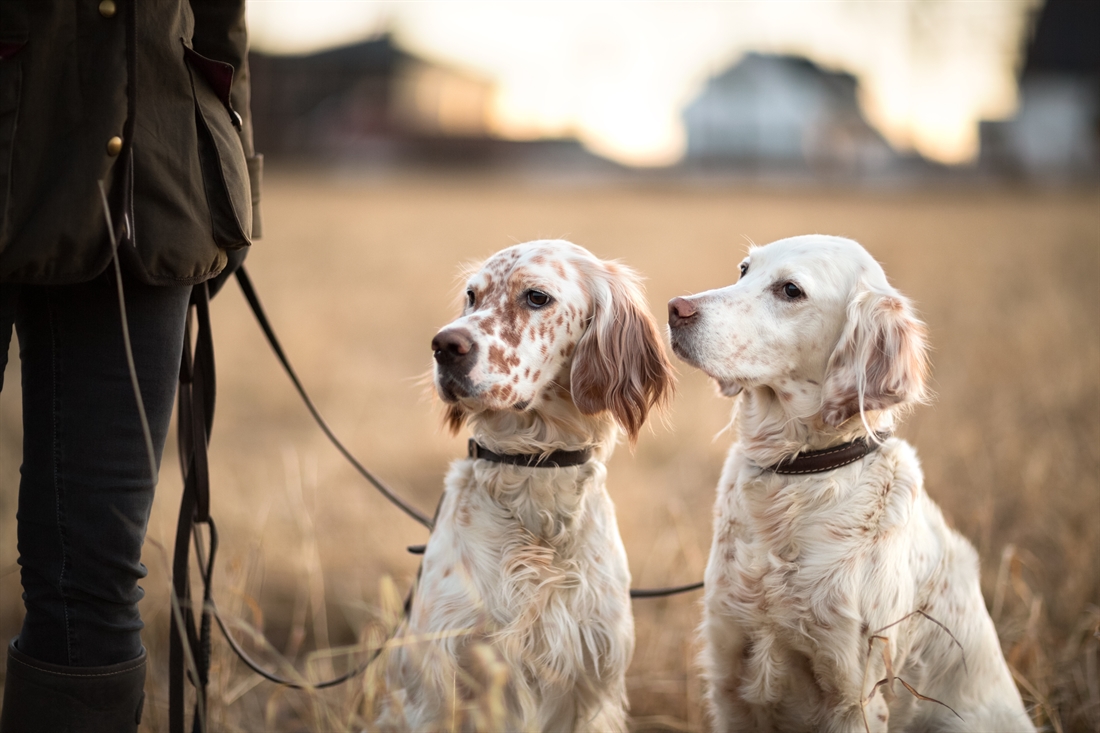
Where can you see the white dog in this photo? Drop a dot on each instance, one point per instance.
(521, 618)
(831, 569)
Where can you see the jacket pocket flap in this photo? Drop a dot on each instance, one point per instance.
(219, 75)
(224, 168)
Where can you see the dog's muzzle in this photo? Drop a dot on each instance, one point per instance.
(455, 354)
(682, 317)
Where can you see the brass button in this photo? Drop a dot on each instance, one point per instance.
(114, 145)
(107, 8)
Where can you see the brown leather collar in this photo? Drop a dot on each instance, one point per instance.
(819, 461)
(557, 459)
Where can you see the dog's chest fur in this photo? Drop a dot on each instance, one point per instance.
(531, 563)
(797, 559)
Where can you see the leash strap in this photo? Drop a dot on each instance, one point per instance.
(254, 303)
(196, 418)
(665, 592)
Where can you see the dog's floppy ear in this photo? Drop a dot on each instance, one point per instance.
(880, 361)
(620, 363)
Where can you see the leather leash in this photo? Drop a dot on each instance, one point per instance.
(190, 644)
(257, 310)
(196, 418)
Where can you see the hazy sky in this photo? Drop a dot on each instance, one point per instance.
(618, 74)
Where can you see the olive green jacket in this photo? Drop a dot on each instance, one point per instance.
(151, 98)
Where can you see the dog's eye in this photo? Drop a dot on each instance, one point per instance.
(537, 299)
(792, 291)
(744, 269)
(470, 298)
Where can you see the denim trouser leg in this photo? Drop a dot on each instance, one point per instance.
(85, 490)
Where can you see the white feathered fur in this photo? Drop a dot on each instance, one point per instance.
(812, 579)
(521, 618)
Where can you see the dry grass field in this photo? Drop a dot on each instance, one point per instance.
(358, 273)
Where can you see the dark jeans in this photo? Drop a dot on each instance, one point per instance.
(85, 490)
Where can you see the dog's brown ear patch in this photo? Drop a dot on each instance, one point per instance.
(880, 361)
(620, 364)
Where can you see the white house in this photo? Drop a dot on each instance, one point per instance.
(783, 112)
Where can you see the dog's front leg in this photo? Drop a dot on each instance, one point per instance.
(870, 714)
(723, 662)
(858, 686)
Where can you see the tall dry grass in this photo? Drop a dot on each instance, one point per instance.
(358, 273)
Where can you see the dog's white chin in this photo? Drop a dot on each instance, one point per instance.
(480, 401)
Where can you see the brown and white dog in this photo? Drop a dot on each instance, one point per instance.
(825, 576)
(521, 618)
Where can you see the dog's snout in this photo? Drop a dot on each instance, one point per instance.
(452, 346)
(680, 311)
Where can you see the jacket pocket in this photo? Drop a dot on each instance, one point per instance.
(221, 155)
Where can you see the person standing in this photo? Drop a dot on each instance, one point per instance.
(150, 100)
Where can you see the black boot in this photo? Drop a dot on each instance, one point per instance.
(55, 699)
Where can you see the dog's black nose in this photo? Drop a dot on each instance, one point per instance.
(680, 311)
(452, 346)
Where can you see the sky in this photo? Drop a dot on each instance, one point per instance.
(617, 75)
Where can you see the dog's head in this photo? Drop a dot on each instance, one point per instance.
(814, 319)
(544, 323)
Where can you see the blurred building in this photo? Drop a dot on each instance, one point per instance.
(376, 104)
(783, 112)
(1055, 133)
(366, 97)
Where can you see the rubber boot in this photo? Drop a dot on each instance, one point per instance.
(55, 699)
